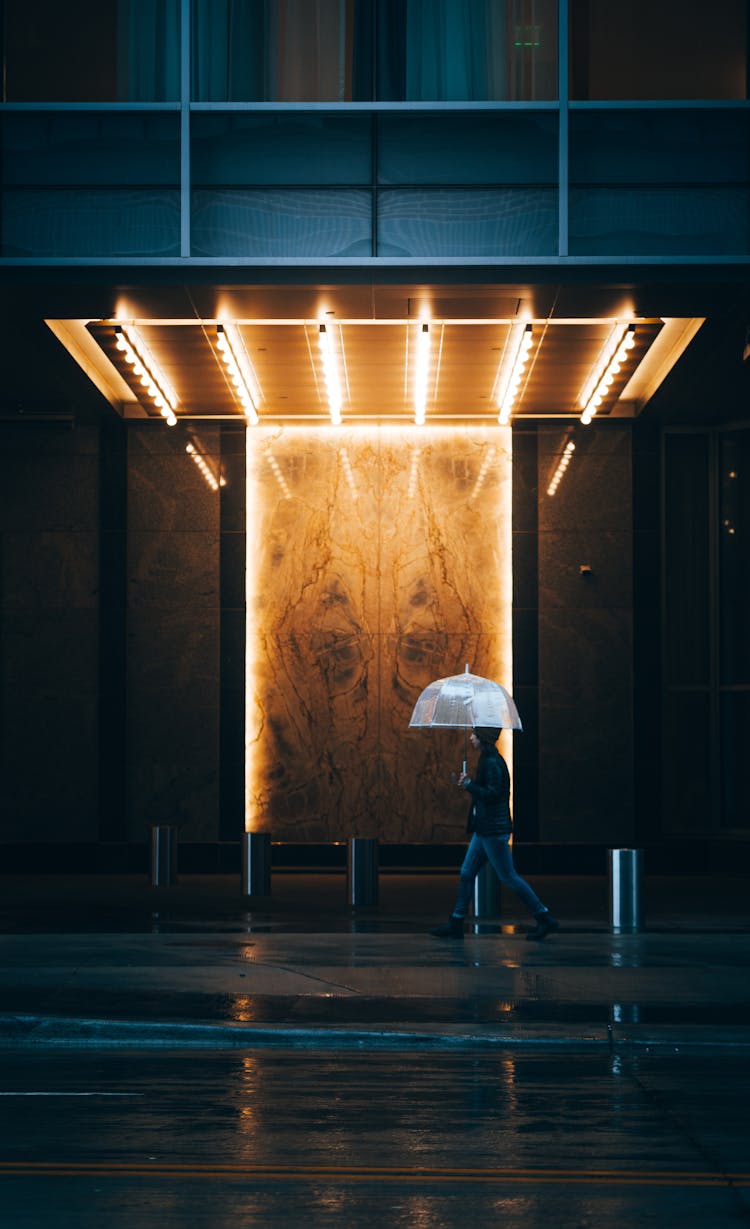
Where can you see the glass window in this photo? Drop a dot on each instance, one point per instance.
(469, 148)
(281, 149)
(281, 222)
(417, 50)
(663, 182)
(690, 146)
(468, 222)
(670, 49)
(76, 148)
(281, 50)
(659, 222)
(448, 50)
(63, 184)
(121, 51)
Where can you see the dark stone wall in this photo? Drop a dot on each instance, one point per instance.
(49, 635)
(173, 632)
(647, 678)
(121, 631)
(586, 637)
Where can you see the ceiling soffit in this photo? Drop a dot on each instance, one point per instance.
(467, 365)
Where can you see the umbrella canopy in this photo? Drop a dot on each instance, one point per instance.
(463, 701)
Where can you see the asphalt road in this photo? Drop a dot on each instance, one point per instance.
(268, 1138)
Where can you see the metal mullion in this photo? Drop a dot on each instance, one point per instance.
(355, 108)
(563, 89)
(374, 185)
(660, 104)
(185, 196)
(55, 108)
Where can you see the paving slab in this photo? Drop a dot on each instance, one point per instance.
(205, 966)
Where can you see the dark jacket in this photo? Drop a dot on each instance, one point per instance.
(489, 812)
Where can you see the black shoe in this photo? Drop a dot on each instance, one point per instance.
(452, 929)
(546, 924)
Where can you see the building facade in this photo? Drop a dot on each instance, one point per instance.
(223, 591)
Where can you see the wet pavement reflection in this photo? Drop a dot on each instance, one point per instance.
(578, 984)
(277, 1138)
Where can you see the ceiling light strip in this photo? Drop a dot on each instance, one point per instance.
(509, 384)
(229, 345)
(562, 465)
(330, 374)
(422, 370)
(616, 352)
(132, 346)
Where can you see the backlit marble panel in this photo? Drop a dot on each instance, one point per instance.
(378, 560)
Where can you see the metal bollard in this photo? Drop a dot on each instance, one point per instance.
(625, 875)
(487, 894)
(163, 855)
(256, 864)
(362, 871)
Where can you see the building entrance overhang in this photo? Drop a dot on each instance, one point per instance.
(437, 352)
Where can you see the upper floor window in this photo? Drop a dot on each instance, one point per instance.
(446, 50)
(673, 49)
(79, 51)
(357, 50)
(281, 50)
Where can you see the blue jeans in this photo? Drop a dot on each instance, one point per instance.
(495, 850)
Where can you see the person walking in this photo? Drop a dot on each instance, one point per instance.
(490, 825)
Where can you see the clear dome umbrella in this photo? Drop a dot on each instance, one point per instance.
(463, 701)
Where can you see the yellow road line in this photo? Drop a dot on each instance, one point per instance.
(364, 1173)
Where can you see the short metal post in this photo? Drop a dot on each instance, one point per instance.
(625, 876)
(163, 855)
(362, 871)
(486, 893)
(256, 864)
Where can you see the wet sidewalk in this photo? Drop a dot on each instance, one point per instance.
(110, 961)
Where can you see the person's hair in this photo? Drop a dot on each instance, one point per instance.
(487, 734)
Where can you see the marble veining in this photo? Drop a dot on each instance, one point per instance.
(378, 561)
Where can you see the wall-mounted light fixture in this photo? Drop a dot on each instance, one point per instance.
(229, 344)
(132, 346)
(615, 352)
(330, 374)
(205, 469)
(562, 465)
(422, 370)
(511, 372)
